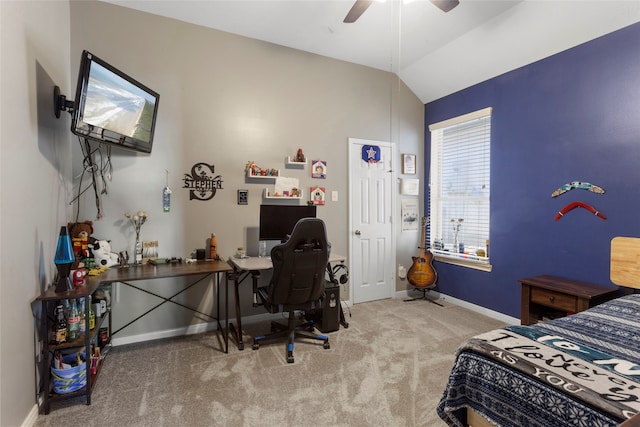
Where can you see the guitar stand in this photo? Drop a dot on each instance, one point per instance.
(424, 296)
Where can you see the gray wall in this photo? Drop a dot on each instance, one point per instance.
(35, 177)
(226, 100)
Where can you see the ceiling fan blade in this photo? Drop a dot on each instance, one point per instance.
(445, 5)
(357, 9)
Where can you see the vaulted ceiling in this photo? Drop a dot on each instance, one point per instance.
(434, 53)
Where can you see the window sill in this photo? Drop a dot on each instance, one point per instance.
(482, 266)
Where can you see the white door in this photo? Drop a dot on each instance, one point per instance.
(371, 212)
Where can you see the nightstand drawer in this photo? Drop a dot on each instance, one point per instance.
(554, 299)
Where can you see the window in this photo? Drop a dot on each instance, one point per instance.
(459, 185)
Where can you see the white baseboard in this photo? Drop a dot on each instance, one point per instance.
(167, 333)
(32, 416)
(473, 307)
(188, 330)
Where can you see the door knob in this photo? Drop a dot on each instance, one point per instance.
(358, 232)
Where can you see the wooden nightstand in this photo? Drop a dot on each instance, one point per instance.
(554, 296)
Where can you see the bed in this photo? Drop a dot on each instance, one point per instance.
(579, 370)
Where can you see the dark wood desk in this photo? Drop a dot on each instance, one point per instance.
(125, 275)
(205, 269)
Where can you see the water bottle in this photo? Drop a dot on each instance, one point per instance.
(83, 319)
(92, 315)
(60, 328)
(73, 324)
(213, 247)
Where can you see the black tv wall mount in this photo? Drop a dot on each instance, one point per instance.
(60, 103)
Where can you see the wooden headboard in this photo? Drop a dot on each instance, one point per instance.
(625, 261)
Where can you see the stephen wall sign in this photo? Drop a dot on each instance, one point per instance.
(202, 183)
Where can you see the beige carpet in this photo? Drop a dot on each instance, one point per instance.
(388, 368)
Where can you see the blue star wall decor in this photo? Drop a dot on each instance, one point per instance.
(371, 153)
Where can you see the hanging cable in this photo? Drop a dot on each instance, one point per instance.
(89, 166)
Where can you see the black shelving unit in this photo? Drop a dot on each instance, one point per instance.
(49, 299)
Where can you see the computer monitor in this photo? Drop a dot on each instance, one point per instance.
(277, 221)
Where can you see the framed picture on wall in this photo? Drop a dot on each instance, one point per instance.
(409, 164)
(319, 169)
(317, 195)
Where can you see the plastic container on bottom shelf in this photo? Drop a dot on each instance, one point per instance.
(70, 379)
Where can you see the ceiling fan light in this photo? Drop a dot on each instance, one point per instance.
(445, 5)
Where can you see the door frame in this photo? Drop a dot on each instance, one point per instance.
(393, 210)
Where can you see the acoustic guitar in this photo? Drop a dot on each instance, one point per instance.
(422, 274)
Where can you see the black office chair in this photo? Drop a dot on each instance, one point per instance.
(297, 282)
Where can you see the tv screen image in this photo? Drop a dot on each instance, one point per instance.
(277, 221)
(113, 107)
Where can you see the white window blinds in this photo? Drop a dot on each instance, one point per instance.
(459, 186)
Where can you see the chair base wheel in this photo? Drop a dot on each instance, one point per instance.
(326, 345)
(255, 346)
(290, 359)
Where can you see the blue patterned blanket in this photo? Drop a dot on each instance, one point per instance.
(580, 370)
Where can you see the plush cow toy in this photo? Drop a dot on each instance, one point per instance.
(102, 254)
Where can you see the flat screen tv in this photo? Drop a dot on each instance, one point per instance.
(277, 221)
(112, 107)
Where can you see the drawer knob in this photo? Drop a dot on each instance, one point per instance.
(551, 299)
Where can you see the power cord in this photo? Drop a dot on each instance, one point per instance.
(346, 304)
(104, 169)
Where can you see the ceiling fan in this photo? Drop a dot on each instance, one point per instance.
(360, 6)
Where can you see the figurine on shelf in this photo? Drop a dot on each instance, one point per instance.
(78, 277)
(294, 192)
(299, 157)
(80, 238)
(252, 168)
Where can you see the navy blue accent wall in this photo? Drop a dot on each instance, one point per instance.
(574, 116)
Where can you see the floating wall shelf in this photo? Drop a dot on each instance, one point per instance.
(268, 195)
(250, 175)
(294, 165)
